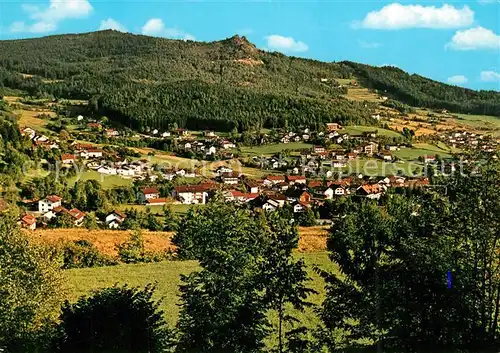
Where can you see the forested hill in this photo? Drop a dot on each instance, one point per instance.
(142, 81)
(417, 91)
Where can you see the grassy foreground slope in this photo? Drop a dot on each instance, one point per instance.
(167, 276)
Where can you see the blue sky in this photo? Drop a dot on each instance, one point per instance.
(456, 42)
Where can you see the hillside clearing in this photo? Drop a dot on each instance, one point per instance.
(480, 123)
(28, 116)
(361, 94)
(360, 129)
(167, 160)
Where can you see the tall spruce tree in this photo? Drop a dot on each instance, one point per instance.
(284, 278)
(222, 308)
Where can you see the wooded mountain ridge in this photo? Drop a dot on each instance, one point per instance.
(142, 81)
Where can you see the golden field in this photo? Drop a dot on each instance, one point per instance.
(104, 240)
(311, 238)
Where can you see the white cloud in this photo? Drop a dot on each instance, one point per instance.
(37, 27)
(46, 19)
(112, 24)
(473, 39)
(490, 76)
(285, 44)
(369, 45)
(156, 27)
(457, 80)
(153, 27)
(397, 16)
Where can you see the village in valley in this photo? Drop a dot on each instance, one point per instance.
(299, 168)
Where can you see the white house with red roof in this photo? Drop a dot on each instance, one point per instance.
(252, 186)
(296, 179)
(429, 159)
(227, 144)
(27, 131)
(28, 222)
(68, 158)
(191, 194)
(77, 215)
(150, 193)
(319, 149)
(49, 203)
(230, 178)
(91, 153)
(236, 195)
(112, 133)
(274, 179)
(115, 219)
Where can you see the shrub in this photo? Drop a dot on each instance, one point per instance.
(82, 253)
(133, 251)
(116, 319)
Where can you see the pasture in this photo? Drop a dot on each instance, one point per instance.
(167, 160)
(107, 181)
(104, 240)
(167, 274)
(422, 149)
(311, 239)
(480, 123)
(360, 129)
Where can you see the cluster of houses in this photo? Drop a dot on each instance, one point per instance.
(275, 191)
(39, 140)
(52, 207)
(332, 133)
(320, 161)
(127, 169)
(470, 140)
(282, 189)
(97, 126)
(93, 158)
(209, 143)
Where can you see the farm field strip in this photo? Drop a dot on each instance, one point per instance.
(311, 239)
